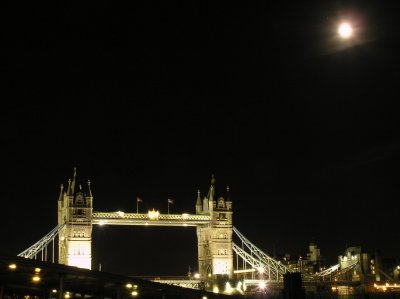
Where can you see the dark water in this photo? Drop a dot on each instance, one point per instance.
(354, 296)
(334, 296)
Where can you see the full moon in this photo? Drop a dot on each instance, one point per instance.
(345, 30)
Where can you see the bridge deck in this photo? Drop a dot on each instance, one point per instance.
(151, 218)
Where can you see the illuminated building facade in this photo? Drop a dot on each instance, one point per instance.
(75, 208)
(215, 238)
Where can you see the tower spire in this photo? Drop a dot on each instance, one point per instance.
(198, 203)
(89, 189)
(69, 187)
(228, 195)
(211, 192)
(60, 197)
(73, 182)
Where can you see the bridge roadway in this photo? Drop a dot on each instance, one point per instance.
(151, 218)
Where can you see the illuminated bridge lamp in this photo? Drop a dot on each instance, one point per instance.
(37, 270)
(36, 278)
(135, 293)
(128, 285)
(153, 215)
(54, 291)
(12, 266)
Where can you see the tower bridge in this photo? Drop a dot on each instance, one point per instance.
(214, 229)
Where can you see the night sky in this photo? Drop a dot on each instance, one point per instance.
(149, 100)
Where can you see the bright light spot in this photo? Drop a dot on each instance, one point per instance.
(78, 261)
(102, 222)
(215, 290)
(54, 291)
(135, 293)
(67, 295)
(239, 285)
(62, 238)
(228, 288)
(204, 297)
(185, 224)
(12, 266)
(37, 270)
(345, 30)
(197, 275)
(36, 278)
(185, 216)
(260, 270)
(129, 285)
(209, 274)
(262, 285)
(153, 215)
(120, 213)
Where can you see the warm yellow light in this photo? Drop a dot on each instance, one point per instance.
(129, 285)
(67, 295)
(260, 270)
(12, 266)
(37, 270)
(54, 291)
(215, 290)
(120, 213)
(62, 238)
(204, 297)
(262, 285)
(209, 274)
(153, 215)
(228, 288)
(36, 278)
(239, 285)
(197, 275)
(102, 222)
(135, 293)
(185, 216)
(345, 30)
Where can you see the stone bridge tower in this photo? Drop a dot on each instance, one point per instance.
(215, 238)
(75, 211)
